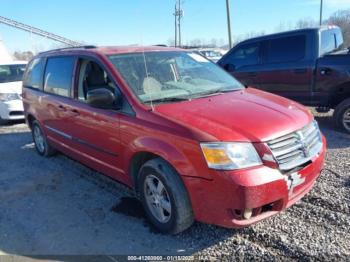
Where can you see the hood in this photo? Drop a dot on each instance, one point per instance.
(11, 87)
(341, 52)
(246, 115)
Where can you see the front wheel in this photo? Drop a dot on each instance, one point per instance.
(3, 121)
(42, 146)
(164, 197)
(342, 115)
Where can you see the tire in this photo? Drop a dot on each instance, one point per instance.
(342, 116)
(3, 121)
(41, 145)
(177, 215)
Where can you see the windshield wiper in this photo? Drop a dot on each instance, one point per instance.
(213, 92)
(167, 99)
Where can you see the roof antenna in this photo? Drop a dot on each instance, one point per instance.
(138, 13)
(146, 70)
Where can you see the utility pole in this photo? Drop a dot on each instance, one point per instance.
(321, 9)
(175, 25)
(178, 15)
(229, 23)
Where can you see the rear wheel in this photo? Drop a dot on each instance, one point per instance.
(40, 141)
(164, 197)
(342, 115)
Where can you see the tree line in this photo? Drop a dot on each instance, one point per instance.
(340, 18)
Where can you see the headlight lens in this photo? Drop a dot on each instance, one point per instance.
(230, 156)
(9, 97)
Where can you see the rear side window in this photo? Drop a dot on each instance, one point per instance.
(245, 55)
(58, 75)
(286, 49)
(34, 75)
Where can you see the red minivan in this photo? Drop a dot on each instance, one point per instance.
(193, 142)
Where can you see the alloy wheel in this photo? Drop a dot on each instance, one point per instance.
(157, 198)
(39, 139)
(346, 120)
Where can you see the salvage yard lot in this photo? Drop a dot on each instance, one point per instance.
(57, 206)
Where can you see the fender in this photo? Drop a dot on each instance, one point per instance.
(340, 93)
(173, 155)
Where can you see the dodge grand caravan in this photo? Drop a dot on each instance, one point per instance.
(191, 141)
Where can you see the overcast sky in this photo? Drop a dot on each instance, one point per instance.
(121, 22)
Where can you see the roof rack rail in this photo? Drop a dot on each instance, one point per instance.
(70, 47)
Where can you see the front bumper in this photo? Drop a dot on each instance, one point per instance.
(262, 190)
(12, 110)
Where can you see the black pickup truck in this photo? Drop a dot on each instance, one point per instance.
(310, 66)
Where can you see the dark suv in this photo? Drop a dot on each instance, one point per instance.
(309, 66)
(186, 136)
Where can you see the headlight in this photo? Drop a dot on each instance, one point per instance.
(9, 97)
(230, 156)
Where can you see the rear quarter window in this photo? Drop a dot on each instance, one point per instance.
(58, 75)
(34, 74)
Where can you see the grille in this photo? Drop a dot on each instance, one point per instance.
(16, 113)
(295, 149)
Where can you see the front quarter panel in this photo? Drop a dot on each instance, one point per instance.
(183, 153)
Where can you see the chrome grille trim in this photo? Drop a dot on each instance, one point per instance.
(297, 148)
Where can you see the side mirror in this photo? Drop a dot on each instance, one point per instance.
(102, 98)
(230, 67)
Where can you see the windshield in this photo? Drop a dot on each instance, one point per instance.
(165, 76)
(331, 40)
(11, 73)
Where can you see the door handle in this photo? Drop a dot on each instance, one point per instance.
(325, 71)
(75, 111)
(252, 74)
(300, 71)
(62, 108)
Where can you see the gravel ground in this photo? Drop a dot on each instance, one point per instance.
(57, 206)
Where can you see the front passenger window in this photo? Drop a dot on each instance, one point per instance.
(92, 76)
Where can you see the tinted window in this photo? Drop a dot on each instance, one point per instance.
(34, 76)
(245, 55)
(11, 73)
(286, 49)
(58, 75)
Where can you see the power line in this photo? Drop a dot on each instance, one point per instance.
(37, 31)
